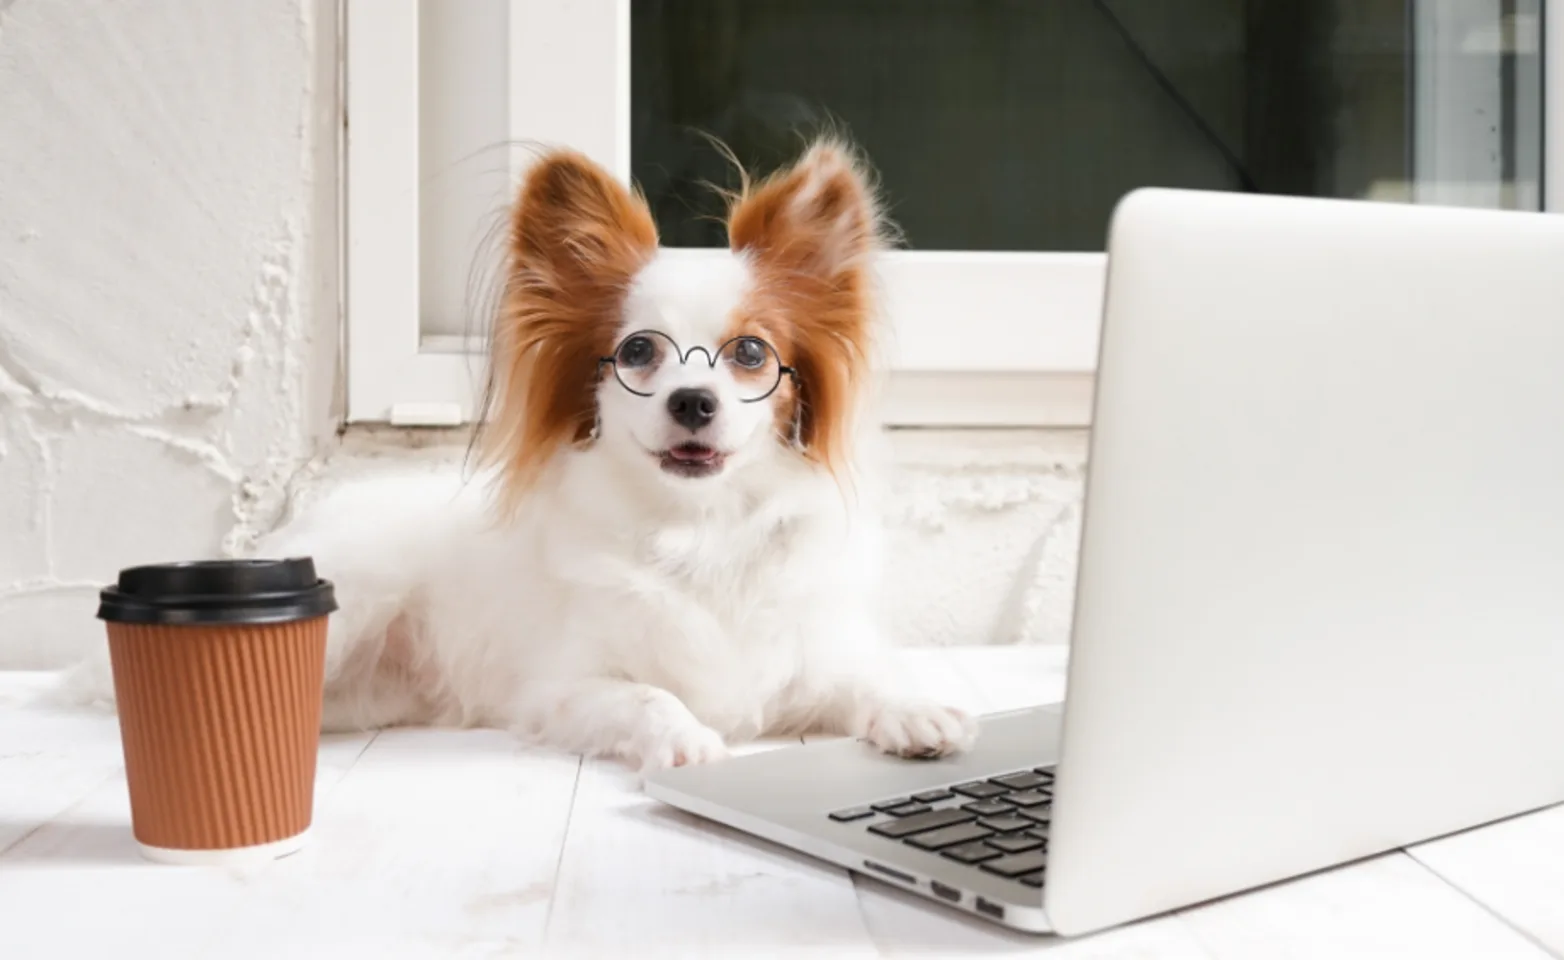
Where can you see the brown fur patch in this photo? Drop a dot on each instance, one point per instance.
(812, 231)
(577, 238)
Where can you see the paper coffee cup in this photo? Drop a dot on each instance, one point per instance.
(218, 673)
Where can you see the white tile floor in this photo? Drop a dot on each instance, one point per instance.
(464, 844)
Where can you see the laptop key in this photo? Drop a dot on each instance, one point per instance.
(1017, 863)
(1024, 780)
(852, 813)
(907, 809)
(979, 790)
(1040, 832)
(1033, 879)
(920, 823)
(1005, 824)
(1028, 798)
(884, 805)
(1015, 842)
(932, 796)
(949, 836)
(988, 808)
(1043, 814)
(970, 852)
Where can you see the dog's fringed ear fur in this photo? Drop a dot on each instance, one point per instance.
(812, 231)
(577, 238)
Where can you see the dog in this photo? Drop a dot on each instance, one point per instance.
(671, 545)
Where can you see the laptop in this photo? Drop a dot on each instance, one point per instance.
(1319, 611)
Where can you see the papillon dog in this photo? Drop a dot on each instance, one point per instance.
(672, 544)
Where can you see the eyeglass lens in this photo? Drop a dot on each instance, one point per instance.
(645, 361)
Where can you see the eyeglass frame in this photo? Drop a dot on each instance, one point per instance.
(684, 356)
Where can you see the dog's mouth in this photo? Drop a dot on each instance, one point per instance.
(692, 460)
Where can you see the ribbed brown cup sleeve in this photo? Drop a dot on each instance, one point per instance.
(221, 730)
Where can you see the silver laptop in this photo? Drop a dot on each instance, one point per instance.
(1320, 606)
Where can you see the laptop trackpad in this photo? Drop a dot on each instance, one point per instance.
(831, 774)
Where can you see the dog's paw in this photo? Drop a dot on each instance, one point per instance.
(681, 746)
(920, 730)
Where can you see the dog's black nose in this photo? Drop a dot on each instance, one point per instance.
(692, 407)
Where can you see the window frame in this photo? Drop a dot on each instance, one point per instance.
(981, 339)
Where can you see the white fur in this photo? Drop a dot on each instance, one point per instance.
(625, 611)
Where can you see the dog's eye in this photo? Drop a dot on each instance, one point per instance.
(637, 352)
(749, 353)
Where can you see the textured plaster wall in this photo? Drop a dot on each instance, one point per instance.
(166, 316)
(984, 530)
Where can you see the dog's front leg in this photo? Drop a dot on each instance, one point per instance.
(600, 716)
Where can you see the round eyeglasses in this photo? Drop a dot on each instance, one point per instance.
(644, 357)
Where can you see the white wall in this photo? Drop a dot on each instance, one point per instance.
(167, 297)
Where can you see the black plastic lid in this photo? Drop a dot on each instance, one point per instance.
(218, 592)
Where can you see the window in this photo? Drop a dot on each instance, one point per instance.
(1004, 131)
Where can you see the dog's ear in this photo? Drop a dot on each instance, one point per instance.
(812, 232)
(818, 217)
(577, 239)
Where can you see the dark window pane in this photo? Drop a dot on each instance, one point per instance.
(1017, 124)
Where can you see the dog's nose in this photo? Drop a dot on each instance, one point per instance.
(692, 407)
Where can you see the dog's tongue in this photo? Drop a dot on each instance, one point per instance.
(692, 453)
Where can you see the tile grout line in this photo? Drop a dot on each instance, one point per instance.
(853, 884)
(120, 770)
(1481, 905)
(319, 804)
(374, 735)
(564, 843)
(63, 811)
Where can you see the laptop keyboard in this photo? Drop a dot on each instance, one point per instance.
(998, 825)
